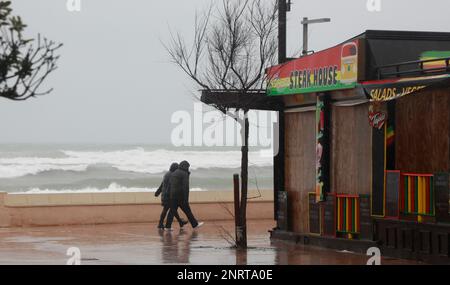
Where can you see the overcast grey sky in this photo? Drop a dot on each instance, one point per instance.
(115, 83)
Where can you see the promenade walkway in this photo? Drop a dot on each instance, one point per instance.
(144, 244)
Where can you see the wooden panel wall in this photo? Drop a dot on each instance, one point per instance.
(300, 157)
(351, 150)
(422, 132)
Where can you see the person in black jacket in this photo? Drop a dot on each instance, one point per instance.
(164, 191)
(179, 195)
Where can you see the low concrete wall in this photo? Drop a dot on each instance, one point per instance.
(21, 210)
(4, 212)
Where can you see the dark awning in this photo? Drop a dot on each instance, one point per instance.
(252, 99)
(391, 89)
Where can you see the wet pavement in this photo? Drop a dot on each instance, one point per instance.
(144, 244)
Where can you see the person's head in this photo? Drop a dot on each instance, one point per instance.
(184, 165)
(174, 167)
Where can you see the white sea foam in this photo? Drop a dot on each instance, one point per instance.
(112, 188)
(13, 170)
(135, 160)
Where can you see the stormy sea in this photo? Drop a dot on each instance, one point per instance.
(48, 168)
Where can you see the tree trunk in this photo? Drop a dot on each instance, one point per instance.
(242, 241)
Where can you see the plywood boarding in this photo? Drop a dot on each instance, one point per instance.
(351, 152)
(300, 157)
(300, 100)
(422, 132)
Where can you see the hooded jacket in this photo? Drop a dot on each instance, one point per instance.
(179, 183)
(164, 188)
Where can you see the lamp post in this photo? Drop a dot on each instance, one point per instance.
(284, 6)
(305, 24)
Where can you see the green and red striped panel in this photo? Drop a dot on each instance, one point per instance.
(347, 214)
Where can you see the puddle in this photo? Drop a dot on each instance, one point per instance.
(28, 239)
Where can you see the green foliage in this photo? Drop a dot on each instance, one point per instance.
(17, 25)
(24, 63)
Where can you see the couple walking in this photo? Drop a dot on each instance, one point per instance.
(174, 191)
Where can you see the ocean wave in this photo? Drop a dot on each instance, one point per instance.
(136, 160)
(9, 170)
(112, 188)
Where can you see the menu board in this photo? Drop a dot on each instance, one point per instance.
(282, 221)
(441, 188)
(314, 214)
(365, 218)
(329, 214)
(392, 192)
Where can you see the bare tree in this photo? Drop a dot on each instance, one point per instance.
(24, 63)
(233, 45)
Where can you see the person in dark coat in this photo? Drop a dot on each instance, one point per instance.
(179, 195)
(164, 191)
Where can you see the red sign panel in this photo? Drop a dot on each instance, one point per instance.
(331, 69)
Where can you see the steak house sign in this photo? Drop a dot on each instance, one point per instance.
(332, 69)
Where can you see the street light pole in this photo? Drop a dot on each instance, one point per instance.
(305, 36)
(305, 24)
(284, 6)
(282, 9)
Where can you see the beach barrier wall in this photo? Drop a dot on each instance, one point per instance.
(25, 210)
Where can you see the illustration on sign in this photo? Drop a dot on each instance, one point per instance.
(332, 69)
(377, 119)
(320, 140)
(349, 63)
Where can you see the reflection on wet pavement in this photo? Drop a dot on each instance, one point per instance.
(145, 244)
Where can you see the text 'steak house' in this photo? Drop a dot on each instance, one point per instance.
(364, 145)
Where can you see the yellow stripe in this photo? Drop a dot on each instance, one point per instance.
(421, 199)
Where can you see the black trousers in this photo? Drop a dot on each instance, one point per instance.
(184, 205)
(166, 208)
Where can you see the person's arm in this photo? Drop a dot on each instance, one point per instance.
(158, 192)
(186, 188)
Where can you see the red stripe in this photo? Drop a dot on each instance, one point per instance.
(349, 214)
(402, 195)
(427, 202)
(387, 81)
(418, 174)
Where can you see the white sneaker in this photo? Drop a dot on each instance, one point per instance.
(199, 225)
(168, 229)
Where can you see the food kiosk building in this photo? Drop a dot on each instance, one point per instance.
(364, 145)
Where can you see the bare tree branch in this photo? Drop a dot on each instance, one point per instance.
(233, 45)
